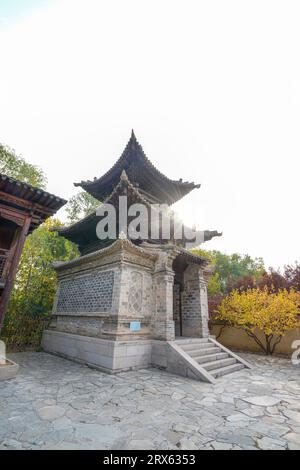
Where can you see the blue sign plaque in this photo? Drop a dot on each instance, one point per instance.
(135, 325)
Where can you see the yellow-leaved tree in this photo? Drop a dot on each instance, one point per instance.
(254, 310)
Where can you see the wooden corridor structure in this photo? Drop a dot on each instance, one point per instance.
(22, 209)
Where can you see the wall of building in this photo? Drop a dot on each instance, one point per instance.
(176, 308)
(194, 303)
(109, 356)
(136, 297)
(87, 293)
(87, 302)
(234, 338)
(101, 294)
(100, 298)
(162, 321)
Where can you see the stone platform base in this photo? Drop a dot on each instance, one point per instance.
(179, 357)
(106, 355)
(119, 356)
(8, 370)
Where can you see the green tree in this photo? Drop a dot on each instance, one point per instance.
(233, 267)
(81, 205)
(35, 284)
(227, 269)
(16, 167)
(214, 284)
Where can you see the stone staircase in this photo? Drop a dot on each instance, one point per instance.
(210, 357)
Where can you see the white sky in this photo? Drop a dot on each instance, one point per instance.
(211, 88)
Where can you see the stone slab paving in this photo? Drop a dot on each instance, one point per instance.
(54, 403)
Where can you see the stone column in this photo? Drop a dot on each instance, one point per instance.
(194, 303)
(162, 324)
(177, 309)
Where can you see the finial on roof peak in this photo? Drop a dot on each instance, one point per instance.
(133, 134)
(122, 235)
(124, 175)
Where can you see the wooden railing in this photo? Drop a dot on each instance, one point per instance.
(3, 259)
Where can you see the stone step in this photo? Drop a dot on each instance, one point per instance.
(219, 364)
(213, 360)
(212, 357)
(196, 346)
(204, 352)
(226, 370)
(182, 341)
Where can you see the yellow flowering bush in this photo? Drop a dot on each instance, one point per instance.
(255, 309)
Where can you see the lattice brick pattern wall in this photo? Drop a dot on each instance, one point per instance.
(91, 293)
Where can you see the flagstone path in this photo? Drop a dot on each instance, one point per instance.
(58, 404)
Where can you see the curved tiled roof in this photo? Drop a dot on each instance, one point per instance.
(122, 242)
(43, 203)
(142, 173)
(77, 226)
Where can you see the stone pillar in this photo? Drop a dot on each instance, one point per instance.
(163, 282)
(162, 322)
(194, 303)
(177, 308)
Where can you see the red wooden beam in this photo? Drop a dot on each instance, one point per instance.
(5, 197)
(13, 266)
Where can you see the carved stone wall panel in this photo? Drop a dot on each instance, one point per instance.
(135, 294)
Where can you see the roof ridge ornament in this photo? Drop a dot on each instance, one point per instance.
(124, 176)
(133, 142)
(122, 235)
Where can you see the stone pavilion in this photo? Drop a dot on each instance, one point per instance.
(131, 303)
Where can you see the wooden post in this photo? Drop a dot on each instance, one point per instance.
(16, 254)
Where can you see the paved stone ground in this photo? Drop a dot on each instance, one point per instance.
(58, 404)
